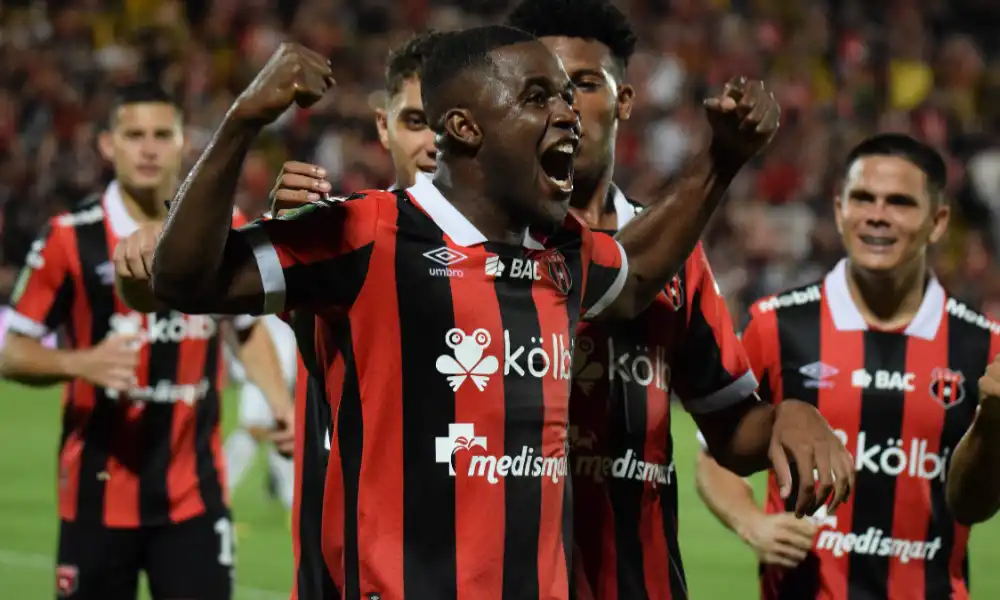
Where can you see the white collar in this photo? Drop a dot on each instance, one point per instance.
(847, 317)
(122, 223)
(452, 222)
(624, 210)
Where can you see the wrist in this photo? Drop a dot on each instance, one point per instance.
(70, 364)
(988, 415)
(725, 162)
(744, 526)
(239, 122)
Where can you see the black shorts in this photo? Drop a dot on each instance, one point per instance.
(191, 560)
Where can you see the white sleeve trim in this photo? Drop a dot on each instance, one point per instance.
(23, 325)
(614, 290)
(272, 276)
(702, 442)
(733, 393)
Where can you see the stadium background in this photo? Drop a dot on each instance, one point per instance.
(841, 69)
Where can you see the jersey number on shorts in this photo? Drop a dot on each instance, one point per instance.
(224, 527)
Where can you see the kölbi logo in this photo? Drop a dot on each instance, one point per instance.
(157, 329)
(469, 361)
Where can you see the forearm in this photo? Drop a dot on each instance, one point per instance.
(727, 495)
(973, 486)
(189, 254)
(738, 437)
(263, 368)
(28, 362)
(137, 295)
(659, 240)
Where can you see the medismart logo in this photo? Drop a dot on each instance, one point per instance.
(462, 441)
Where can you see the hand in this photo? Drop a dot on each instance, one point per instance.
(298, 183)
(133, 256)
(989, 392)
(283, 434)
(780, 539)
(801, 434)
(294, 74)
(744, 119)
(111, 364)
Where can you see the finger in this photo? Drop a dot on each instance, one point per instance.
(778, 560)
(137, 266)
(755, 116)
(805, 502)
(285, 199)
(295, 167)
(735, 88)
(782, 472)
(792, 553)
(826, 478)
(843, 470)
(797, 539)
(291, 181)
(753, 94)
(147, 264)
(720, 104)
(308, 90)
(771, 120)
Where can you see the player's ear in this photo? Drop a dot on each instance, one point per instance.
(382, 125)
(106, 145)
(462, 129)
(838, 204)
(626, 96)
(942, 214)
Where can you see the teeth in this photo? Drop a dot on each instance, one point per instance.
(565, 147)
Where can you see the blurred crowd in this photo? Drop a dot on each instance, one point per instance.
(842, 69)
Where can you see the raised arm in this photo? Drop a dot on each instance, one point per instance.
(973, 488)
(743, 120)
(200, 264)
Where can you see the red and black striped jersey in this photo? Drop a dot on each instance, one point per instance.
(153, 457)
(449, 441)
(900, 401)
(624, 487)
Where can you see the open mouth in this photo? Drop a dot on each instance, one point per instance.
(877, 240)
(557, 164)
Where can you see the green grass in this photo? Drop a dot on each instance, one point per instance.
(718, 566)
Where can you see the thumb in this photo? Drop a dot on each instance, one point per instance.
(803, 526)
(782, 470)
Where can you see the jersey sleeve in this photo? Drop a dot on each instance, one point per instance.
(711, 368)
(43, 294)
(606, 271)
(316, 256)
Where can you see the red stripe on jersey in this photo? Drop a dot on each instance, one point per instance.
(379, 540)
(921, 421)
(475, 545)
(552, 319)
(332, 516)
(700, 280)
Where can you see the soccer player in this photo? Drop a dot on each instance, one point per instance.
(625, 486)
(452, 470)
(141, 478)
(882, 350)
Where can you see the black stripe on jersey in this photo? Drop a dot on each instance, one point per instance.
(59, 313)
(207, 415)
(969, 353)
(700, 356)
(303, 323)
(668, 513)
(157, 422)
(350, 443)
(524, 416)
(315, 276)
(799, 330)
(430, 567)
(875, 493)
(92, 248)
(314, 580)
(627, 433)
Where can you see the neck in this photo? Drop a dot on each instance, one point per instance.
(890, 300)
(464, 189)
(589, 200)
(144, 205)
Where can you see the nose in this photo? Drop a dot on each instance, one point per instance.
(877, 212)
(565, 116)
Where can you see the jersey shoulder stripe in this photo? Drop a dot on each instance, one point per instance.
(90, 211)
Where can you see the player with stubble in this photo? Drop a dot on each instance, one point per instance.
(502, 108)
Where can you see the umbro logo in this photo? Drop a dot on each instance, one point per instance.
(818, 375)
(106, 271)
(447, 258)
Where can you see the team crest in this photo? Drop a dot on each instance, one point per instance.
(559, 271)
(675, 293)
(947, 386)
(67, 580)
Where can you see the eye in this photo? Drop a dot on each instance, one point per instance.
(538, 98)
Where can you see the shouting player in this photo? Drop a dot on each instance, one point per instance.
(505, 167)
(626, 517)
(883, 352)
(140, 470)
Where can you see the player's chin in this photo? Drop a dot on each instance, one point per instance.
(877, 263)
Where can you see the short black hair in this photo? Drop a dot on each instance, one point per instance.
(903, 146)
(407, 61)
(598, 20)
(140, 92)
(458, 52)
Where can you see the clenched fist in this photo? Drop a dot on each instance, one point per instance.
(294, 74)
(744, 119)
(133, 259)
